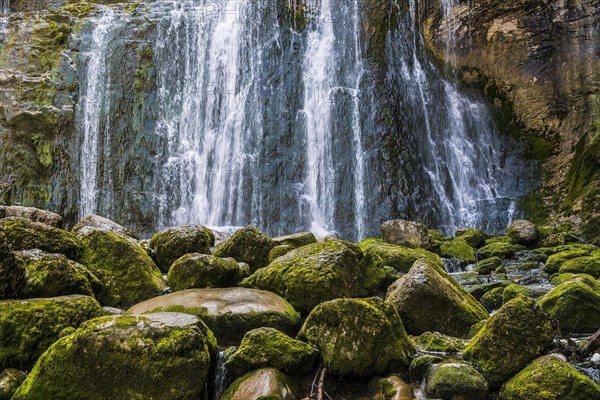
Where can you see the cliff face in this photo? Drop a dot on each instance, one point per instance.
(539, 63)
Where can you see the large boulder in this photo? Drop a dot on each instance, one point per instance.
(10, 380)
(319, 272)
(358, 337)
(429, 300)
(52, 275)
(203, 271)
(96, 222)
(24, 234)
(33, 214)
(398, 257)
(473, 237)
(230, 312)
(172, 243)
(582, 265)
(522, 232)
(510, 339)
(456, 381)
(268, 347)
(262, 384)
(439, 343)
(296, 240)
(458, 249)
(156, 356)
(498, 248)
(405, 233)
(247, 245)
(127, 273)
(575, 304)
(550, 378)
(12, 272)
(556, 260)
(29, 327)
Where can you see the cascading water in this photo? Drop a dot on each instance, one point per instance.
(4, 7)
(93, 106)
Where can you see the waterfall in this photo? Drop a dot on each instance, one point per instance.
(333, 70)
(5, 7)
(94, 96)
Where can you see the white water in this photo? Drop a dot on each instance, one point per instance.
(94, 96)
(5, 7)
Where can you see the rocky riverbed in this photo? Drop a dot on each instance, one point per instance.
(95, 312)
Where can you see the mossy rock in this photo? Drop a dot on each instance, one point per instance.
(588, 279)
(474, 237)
(515, 290)
(156, 356)
(476, 328)
(24, 234)
(247, 245)
(12, 272)
(555, 261)
(10, 380)
(510, 339)
(279, 250)
(582, 265)
(487, 266)
(438, 342)
(33, 214)
(420, 366)
(478, 291)
(398, 257)
(263, 384)
(203, 271)
(523, 232)
(405, 233)
(358, 337)
(525, 266)
(52, 275)
(392, 387)
(499, 249)
(29, 327)
(319, 272)
(268, 347)
(172, 243)
(127, 273)
(228, 312)
(550, 378)
(429, 300)
(436, 241)
(492, 300)
(458, 249)
(296, 240)
(575, 304)
(96, 222)
(456, 381)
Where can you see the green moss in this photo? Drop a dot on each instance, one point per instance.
(555, 261)
(476, 328)
(575, 305)
(588, 279)
(12, 272)
(267, 347)
(296, 240)
(10, 380)
(584, 265)
(156, 357)
(459, 249)
(173, 243)
(492, 300)
(513, 291)
(319, 272)
(339, 327)
(474, 237)
(549, 378)
(265, 384)
(509, 340)
(437, 342)
(247, 245)
(486, 266)
(456, 381)
(478, 291)
(203, 271)
(29, 327)
(278, 251)
(420, 366)
(398, 257)
(498, 248)
(79, 10)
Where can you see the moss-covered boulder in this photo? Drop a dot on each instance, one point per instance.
(10, 380)
(421, 365)
(96, 222)
(474, 237)
(575, 304)
(487, 266)
(458, 249)
(24, 234)
(52, 275)
(522, 232)
(429, 300)
(405, 233)
(438, 342)
(550, 378)
(455, 381)
(33, 214)
(398, 257)
(127, 273)
(492, 300)
(515, 290)
(478, 291)
(12, 272)
(555, 261)
(296, 240)
(582, 265)
(203, 271)
(228, 312)
(510, 339)
(501, 249)
(588, 279)
(319, 272)
(263, 384)
(391, 387)
(358, 337)
(156, 356)
(279, 250)
(172, 243)
(29, 327)
(268, 347)
(247, 245)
